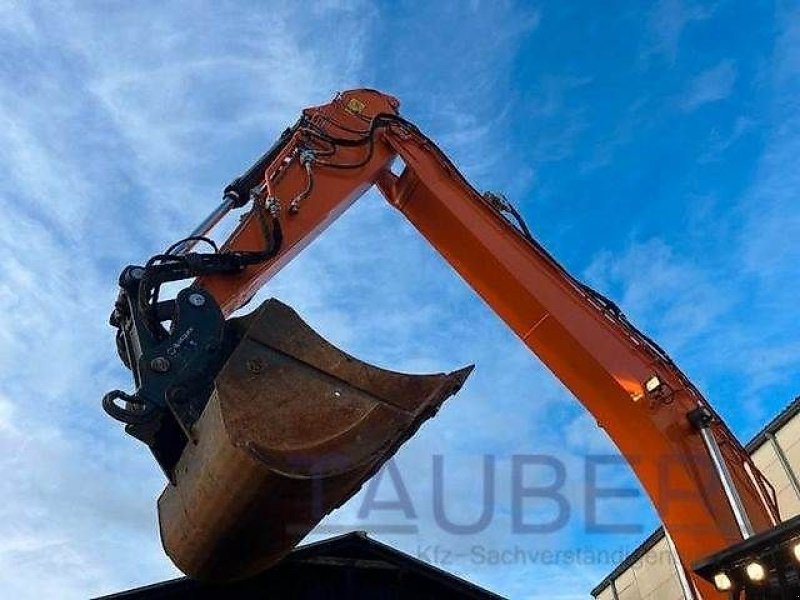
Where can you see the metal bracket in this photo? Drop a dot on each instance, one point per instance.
(173, 369)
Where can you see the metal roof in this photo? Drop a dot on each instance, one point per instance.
(353, 550)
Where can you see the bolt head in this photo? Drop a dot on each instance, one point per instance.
(255, 366)
(197, 299)
(136, 273)
(160, 364)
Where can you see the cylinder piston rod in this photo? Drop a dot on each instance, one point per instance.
(701, 419)
(237, 193)
(229, 202)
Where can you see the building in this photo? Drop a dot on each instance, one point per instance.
(347, 566)
(650, 572)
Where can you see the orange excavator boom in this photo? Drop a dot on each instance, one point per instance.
(701, 481)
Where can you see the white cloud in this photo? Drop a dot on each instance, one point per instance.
(673, 299)
(667, 23)
(769, 240)
(102, 140)
(16, 19)
(116, 141)
(6, 415)
(692, 307)
(768, 253)
(712, 85)
(117, 137)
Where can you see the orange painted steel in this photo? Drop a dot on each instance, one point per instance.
(601, 361)
(580, 337)
(333, 191)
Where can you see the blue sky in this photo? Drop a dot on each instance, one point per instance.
(651, 146)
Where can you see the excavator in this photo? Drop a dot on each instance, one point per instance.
(261, 427)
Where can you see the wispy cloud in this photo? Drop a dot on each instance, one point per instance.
(119, 125)
(107, 134)
(726, 311)
(712, 85)
(678, 300)
(115, 141)
(667, 21)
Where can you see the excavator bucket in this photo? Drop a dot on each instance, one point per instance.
(293, 429)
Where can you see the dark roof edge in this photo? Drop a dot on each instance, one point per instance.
(773, 426)
(779, 421)
(629, 560)
(443, 577)
(421, 565)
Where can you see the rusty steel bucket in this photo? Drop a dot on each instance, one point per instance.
(292, 430)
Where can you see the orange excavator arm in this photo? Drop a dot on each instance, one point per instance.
(701, 481)
(648, 407)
